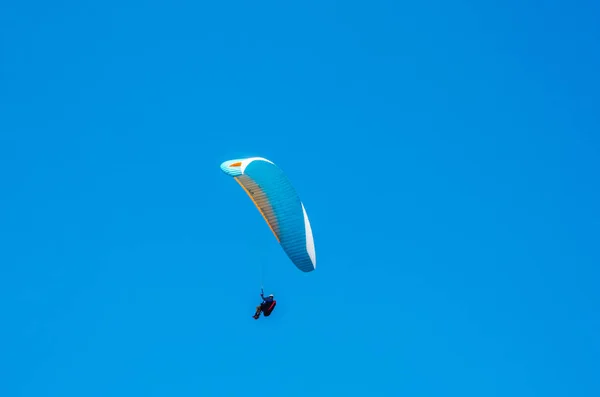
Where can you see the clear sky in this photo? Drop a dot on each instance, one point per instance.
(447, 154)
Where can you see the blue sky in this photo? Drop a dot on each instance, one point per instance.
(447, 155)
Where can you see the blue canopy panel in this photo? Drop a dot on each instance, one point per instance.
(276, 199)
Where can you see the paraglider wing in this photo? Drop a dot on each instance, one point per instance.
(276, 199)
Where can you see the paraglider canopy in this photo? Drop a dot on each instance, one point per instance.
(276, 199)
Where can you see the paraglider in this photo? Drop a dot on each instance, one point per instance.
(280, 206)
(266, 307)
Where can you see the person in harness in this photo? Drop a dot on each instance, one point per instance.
(266, 307)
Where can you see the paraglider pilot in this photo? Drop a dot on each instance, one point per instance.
(266, 307)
